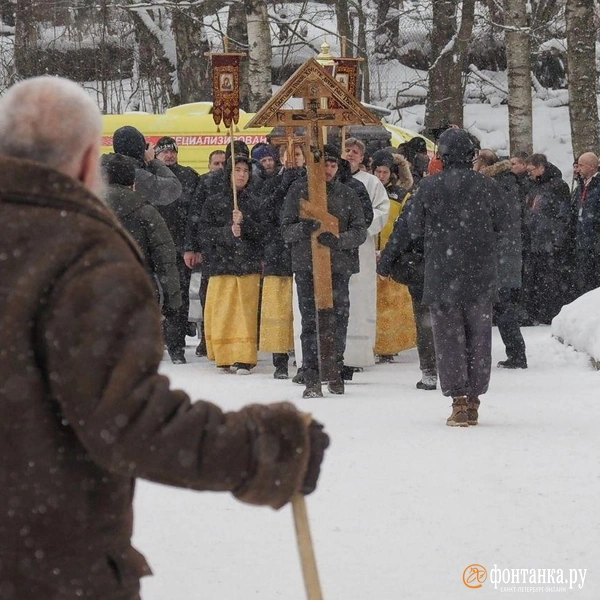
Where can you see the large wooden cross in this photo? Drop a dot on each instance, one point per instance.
(312, 83)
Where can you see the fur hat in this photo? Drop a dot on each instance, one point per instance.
(332, 152)
(129, 141)
(165, 143)
(239, 147)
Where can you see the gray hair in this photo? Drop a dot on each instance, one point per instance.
(49, 120)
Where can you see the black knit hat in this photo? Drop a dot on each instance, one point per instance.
(119, 169)
(166, 143)
(332, 152)
(129, 141)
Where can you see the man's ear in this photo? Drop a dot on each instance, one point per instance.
(89, 166)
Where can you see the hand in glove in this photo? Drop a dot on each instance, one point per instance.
(309, 226)
(319, 441)
(329, 239)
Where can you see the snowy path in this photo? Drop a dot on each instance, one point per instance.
(405, 503)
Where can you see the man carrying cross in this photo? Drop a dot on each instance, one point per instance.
(342, 204)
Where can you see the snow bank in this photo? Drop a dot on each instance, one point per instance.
(578, 325)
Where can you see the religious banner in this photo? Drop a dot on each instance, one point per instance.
(226, 88)
(346, 74)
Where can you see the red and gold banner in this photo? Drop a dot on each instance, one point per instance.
(226, 88)
(346, 73)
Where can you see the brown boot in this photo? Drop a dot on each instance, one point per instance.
(458, 418)
(472, 412)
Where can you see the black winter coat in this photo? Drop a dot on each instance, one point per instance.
(176, 213)
(345, 176)
(277, 255)
(343, 203)
(156, 182)
(462, 218)
(149, 230)
(228, 255)
(548, 213)
(588, 217)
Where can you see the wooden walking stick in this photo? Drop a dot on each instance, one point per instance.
(304, 540)
(306, 550)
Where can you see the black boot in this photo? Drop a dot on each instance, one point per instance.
(177, 356)
(313, 385)
(201, 348)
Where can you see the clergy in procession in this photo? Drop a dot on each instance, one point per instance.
(395, 320)
(233, 240)
(342, 203)
(276, 314)
(363, 285)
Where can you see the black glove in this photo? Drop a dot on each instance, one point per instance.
(309, 226)
(319, 442)
(328, 239)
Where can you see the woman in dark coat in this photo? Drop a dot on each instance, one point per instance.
(234, 243)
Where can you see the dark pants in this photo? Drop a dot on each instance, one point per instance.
(588, 272)
(463, 344)
(546, 286)
(506, 313)
(308, 337)
(175, 324)
(280, 359)
(425, 345)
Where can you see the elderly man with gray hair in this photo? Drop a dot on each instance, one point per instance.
(83, 410)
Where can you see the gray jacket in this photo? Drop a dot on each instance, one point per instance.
(157, 183)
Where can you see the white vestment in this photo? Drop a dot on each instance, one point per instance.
(362, 325)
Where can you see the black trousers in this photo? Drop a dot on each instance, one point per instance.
(308, 337)
(462, 334)
(425, 345)
(175, 323)
(506, 314)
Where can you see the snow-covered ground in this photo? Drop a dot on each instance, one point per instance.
(405, 504)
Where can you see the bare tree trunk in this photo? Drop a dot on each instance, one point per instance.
(237, 33)
(518, 56)
(260, 54)
(446, 87)
(193, 67)
(26, 38)
(582, 75)
(344, 25)
(364, 84)
(388, 29)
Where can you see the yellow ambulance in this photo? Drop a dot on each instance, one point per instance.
(193, 128)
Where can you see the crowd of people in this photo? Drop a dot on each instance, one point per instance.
(97, 260)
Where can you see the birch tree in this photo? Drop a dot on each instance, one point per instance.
(260, 54)
(518, 56)
(449, 53)
(582, 76)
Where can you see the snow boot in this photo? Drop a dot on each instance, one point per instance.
(299, 377)
(513, 363)
(472, 410)
(385, 358)
(313, 384)
(177, 356)
(428, 382)
(336, 386)
(201, 348)
(280, 373)
(458, 418)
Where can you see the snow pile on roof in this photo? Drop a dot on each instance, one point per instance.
(578, 325)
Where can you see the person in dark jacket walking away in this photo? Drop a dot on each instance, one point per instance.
(276, 314)
(506, 309)
(176, 324)
(83, 410)
(153, 179)
(343, 204)
(234, 245)
(547, 277)
(463, 219)
(587, 234)
(147, 228)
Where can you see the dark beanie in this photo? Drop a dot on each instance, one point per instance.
(165, 143)
(382, 158)
(239, 147)
(418, 145)
(119, 169)
(129, 141)
(261, 151)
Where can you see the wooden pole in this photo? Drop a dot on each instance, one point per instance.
(235, 200)
(306, 550)
(343, 142)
